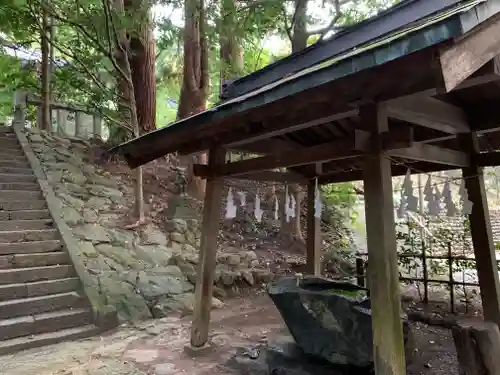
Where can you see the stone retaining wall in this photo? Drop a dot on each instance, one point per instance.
(142, 273)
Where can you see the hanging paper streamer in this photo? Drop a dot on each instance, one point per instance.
(230, 206)
(401, 211)
(451, 209)
(287, 205)
(318, 206)
(433, 206)
(410, 200)
(243, 198)
(276, 208)
(293, 205)
(435, 203)
(257, 211)
(464, 199)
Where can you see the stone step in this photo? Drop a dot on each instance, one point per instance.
(13, 205)
(33, 260)
(6, 129)
(24, 186)
(14, 163)
(9, 177)
(36, 305)
(22, 343)
(7, 143)
(16, 225)
(18, 171)
(30, 247)
(25, 215)
(29, 235)
(20, 195)
(38, 288)
(44, 322)
(31, 274)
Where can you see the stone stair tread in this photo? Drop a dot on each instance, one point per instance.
(52, 321)
(38, 288)
(30, 247)
(33, 260)
(27, 235)
(25, 215)
(32, 274)
(21, 343)
(21, 194)
(10, 177)
(29, 224)
(23, 186)
(17, 205)
(36, 305)
(17, 171)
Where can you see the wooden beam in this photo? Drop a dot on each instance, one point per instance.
(397, 170)
(482, 237)
(464, 57)
(383, 276)
(314, 240)
(430, 113)
(201, 170)
(280, 129)
(488, 159)
(349, 147)
(432, 154)
(208, 252)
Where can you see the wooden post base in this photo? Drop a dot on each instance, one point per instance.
(478, 347)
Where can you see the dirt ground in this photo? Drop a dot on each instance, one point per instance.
(157, 347)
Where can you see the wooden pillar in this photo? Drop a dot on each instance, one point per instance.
(313, 234)
(208, 252)
(383, 280)
(482, 238)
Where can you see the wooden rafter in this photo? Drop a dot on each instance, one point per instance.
(433, 154)
(431, 113)
(271, 176)
(349, 147)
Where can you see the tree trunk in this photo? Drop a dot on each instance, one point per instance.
(300, 35)
(231, 53)
(195, 78)
(293, 229)
(128, 103)
(142, 63)
(46, 118)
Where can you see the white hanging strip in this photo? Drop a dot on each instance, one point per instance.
(401, 211)
(451, 209)
(435, 204)
(230, 206)
(409, 198)
(464, 199)
(257, 210)
(243, 198)
(293, 205)
(318, 206)
(276, 208)
(287, 205)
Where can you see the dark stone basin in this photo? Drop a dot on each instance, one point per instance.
(328, 319)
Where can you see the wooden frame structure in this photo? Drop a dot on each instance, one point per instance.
(415, 87)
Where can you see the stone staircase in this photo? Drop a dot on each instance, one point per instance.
(41, 300)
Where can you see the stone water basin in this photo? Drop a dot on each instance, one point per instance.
(330, 320)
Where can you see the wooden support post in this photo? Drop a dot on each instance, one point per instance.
(482, 238)
(383, 277)
(60, 120)
(208, 252)
(313, 234)
(477, 345)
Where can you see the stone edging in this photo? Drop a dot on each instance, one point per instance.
(105, 316)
